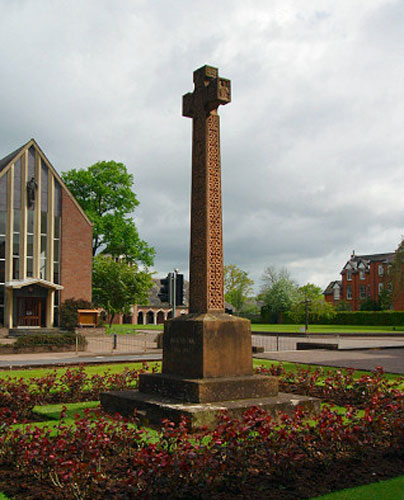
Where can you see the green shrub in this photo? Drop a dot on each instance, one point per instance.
(55, 339)
(69, 317)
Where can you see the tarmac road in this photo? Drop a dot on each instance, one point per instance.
(392, 360)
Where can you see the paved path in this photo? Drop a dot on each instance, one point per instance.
(392, 360)
(63, 358)
(289, 342)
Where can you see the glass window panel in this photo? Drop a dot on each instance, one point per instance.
(3, 192)
(2, 247)
(44, 222)
(42, 270)
(17, 184)
(16, 244)
(57, 226)
(16, 268)
(3, 222)
(30, 245)
(30, 221)
(17, 221)
(31, 162)
(56, 245)
(1, 315)
(56, 273)
(2, 295)
(2, 271)
(58, 199)
(43, 247)
(30, 268)
(44, 188)
(56, 298)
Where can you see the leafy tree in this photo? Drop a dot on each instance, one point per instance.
(237, 286)
(118, 285)
(104, 191)
(317, 306)
(279, 291)
(343, 305)
(370, 305)
(385, 299)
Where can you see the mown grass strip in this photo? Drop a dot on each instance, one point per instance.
(391, 489)
(90, 370)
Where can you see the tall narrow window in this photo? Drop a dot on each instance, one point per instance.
(361, 274)
(3, 226)
(362, 292)
(349, 292)
(44, 221)
(381, 269)
(336, 293)
(349, 274)
(30, 243)
(56, 248)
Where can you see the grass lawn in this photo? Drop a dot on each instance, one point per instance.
(91, 370)
(326, 328)
(125, 329)
(392, 489)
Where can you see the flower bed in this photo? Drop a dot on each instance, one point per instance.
(250, 457)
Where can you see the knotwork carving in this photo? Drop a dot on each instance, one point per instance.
(206, 260)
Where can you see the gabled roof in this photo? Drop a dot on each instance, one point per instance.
(330, 287)
(4, 162)
(8, 160)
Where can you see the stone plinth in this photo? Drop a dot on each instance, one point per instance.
(207, 390)
(207, 345)
(151, 409)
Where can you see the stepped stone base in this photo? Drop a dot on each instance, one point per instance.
(207, 390)
(152, 408)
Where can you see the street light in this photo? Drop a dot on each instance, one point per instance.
(306, 303)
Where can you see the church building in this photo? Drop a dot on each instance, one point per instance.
(45, 241)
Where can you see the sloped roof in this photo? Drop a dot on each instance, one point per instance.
(375, 257)
(7, 160)
(330, 287)
(10, 157)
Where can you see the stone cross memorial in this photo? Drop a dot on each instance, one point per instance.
(207, 354)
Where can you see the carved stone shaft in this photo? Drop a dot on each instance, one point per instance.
(206, 258)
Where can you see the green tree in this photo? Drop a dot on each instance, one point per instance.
(118, 285)
(237, 286)
(104, 191)
(279, 291)
(317, 306)
(343, 305)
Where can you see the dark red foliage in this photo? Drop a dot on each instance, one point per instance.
(249, 457)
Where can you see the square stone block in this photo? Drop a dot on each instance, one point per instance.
(207, 345)
(208, 390)
(152, 408)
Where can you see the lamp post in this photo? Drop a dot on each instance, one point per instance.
(307, 303)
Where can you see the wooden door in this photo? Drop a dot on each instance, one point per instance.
(29, 311)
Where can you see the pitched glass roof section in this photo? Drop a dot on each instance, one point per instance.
(7, 159)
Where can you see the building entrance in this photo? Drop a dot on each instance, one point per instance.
(30, 311)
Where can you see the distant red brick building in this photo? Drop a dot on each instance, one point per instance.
(363, 277)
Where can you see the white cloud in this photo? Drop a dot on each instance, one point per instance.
(311, 143)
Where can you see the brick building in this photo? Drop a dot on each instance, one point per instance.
(45, 241)
(363, 277)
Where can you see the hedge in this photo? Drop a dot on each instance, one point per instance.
(56, 339)
(360, 318)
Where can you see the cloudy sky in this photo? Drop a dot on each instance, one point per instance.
(312, 143)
